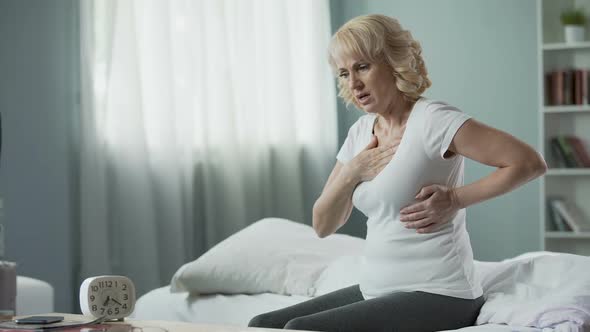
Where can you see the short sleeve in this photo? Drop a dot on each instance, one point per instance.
(346, 151)
(358, 133)
(440, 126)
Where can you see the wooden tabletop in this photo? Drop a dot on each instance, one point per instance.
(164, 326)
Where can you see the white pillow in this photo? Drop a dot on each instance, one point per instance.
(271, 255)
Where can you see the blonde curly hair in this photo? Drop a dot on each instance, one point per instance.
(380, 38)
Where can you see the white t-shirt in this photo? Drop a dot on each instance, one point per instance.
(396, 258)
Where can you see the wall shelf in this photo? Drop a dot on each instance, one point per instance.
(567, 109)
(568, 172)
(566, 47)
(567, 235)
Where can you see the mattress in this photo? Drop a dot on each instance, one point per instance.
(160, 304)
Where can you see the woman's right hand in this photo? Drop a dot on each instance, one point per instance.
(371, 161)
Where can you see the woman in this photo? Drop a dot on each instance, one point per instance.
(402, 166)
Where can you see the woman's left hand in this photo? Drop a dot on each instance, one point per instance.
(438, 204)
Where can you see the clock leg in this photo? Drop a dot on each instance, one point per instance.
(115, 320)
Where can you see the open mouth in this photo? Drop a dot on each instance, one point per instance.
(363, 97)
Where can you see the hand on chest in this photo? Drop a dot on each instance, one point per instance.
(407, 172)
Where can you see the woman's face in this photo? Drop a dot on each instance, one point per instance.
(371, 84)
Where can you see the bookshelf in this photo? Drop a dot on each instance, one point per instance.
(570, 183)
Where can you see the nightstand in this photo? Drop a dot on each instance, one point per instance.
(165, 326)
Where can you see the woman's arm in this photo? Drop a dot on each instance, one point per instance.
(516, 162)
(333, 207)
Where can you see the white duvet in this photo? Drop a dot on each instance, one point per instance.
(540, 291)
(544, 290)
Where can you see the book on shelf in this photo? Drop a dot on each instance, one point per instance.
(569, 151)
(566, 216)
(558, 154)
(556, 221)
(567, 87)
(579, 149)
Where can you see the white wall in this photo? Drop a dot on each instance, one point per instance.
(37, 75)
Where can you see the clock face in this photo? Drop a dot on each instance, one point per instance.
(108, 296)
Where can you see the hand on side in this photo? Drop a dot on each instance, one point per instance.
(438, 204)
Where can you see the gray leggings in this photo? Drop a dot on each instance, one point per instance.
(347, 310)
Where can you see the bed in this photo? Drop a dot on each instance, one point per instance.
(275, 263)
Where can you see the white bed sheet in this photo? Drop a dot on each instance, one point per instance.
(160, 304)
(237, 309)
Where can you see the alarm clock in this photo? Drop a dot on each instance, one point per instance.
(107, 297)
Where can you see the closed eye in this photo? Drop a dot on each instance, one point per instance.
(364, 66)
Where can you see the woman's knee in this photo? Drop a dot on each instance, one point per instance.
(258, 321)
(265, 320)
(299, 323)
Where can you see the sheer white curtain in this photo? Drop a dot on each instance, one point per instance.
(198, 118)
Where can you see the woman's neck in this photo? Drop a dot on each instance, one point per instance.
(396, 117)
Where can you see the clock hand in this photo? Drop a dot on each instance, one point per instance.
(107, 300)
(117, 302)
